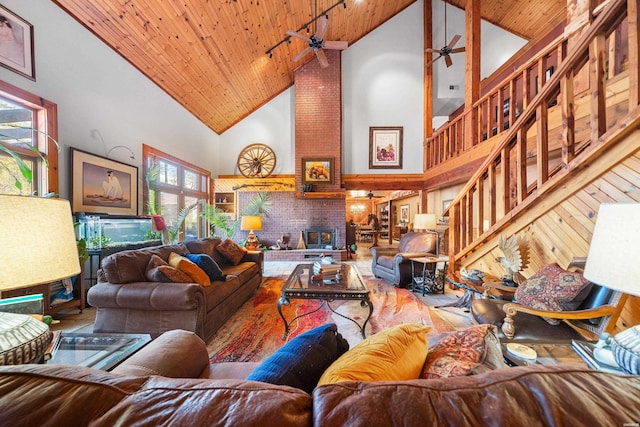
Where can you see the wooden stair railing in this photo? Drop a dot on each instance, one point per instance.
(495, 111)
(521, 166)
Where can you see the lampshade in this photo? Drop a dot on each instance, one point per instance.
(613, 254)
(37, 241)
(251, 223)
(613, 263)
(37, 245)
(424, 221)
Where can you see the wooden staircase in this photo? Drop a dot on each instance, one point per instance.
(543, 169)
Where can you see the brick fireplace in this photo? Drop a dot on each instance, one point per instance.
(318, 116)
(318, 134)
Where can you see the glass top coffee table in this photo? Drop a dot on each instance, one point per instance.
(304, 284)
(99, 351)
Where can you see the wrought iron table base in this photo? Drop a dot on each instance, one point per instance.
(287, 325)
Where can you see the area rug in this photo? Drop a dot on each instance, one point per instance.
(256, 330)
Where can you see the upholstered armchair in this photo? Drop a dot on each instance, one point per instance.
(394, 265)
(592, 312)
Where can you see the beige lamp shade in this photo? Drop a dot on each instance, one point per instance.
(251, 223)
(37, 241)
(613, 253)
(424, 221)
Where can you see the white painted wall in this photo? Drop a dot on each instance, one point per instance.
(382, 85)
(96, 89)
(272, 124)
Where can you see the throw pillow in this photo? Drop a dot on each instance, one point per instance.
(167, 274)
(301, 361)
(467, 352)
(208, 265)
(158, 270)
(231, 251)
(183, 264)
(551, 288)
(395, 354)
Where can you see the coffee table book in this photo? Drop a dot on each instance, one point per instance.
(585, 351)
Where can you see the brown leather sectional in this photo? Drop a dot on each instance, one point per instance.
(170, 382)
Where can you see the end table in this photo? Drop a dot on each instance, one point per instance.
(430, 280)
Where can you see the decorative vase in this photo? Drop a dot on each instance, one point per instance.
(301, 244)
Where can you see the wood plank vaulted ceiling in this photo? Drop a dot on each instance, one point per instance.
(209, 55)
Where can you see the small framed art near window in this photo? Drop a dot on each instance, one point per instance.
(16, 44)
(385, 147)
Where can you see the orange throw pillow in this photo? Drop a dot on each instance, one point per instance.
(183, 264)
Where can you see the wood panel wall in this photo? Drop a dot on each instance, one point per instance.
(563, 229)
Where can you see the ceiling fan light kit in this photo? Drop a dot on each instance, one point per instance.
(316, 42)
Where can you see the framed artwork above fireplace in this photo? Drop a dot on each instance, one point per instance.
(316, 170)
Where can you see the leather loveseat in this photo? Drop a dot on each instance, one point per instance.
(393, 264)
(127, 302)
(170, 382)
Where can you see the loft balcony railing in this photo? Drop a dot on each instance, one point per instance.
(589, 94)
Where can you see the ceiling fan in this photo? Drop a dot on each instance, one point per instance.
(369, 196)
(446, 51)
(317, 44)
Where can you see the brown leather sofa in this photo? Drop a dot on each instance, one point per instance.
(393, 264)
(126, 302)
(170, 382)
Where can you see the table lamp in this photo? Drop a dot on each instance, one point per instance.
(251, 223)
(37, 245)
(613, 263)
(427, 223)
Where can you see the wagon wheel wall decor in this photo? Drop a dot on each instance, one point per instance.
(256, 161)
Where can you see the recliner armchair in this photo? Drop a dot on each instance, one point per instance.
(394, 266)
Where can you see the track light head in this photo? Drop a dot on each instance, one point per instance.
(344, 4)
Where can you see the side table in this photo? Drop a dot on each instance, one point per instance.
(549, 353)
(427, 279)
(99, 351)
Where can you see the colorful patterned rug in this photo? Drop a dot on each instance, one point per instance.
(255, 331)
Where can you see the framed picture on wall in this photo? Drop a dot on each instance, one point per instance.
(102, 185)
(404, 214)
(317, 170)
(16, 44)
(385, 147)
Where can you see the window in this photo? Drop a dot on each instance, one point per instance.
(28, 129)
(173, 189)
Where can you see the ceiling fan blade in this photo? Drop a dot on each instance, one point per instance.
(457, 50)
(298, 35)
(336, 45)
(432, 50)
(299, 56)
(322, 58)
(323, 23)
(433, 60)
(453, 41)
(448, 61)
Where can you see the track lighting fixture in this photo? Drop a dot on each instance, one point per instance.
(306, 26)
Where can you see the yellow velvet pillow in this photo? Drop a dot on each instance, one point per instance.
(395, 354)
(183, 264)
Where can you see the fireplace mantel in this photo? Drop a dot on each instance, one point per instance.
(322, 195)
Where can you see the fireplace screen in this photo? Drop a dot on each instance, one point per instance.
(319, 239)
